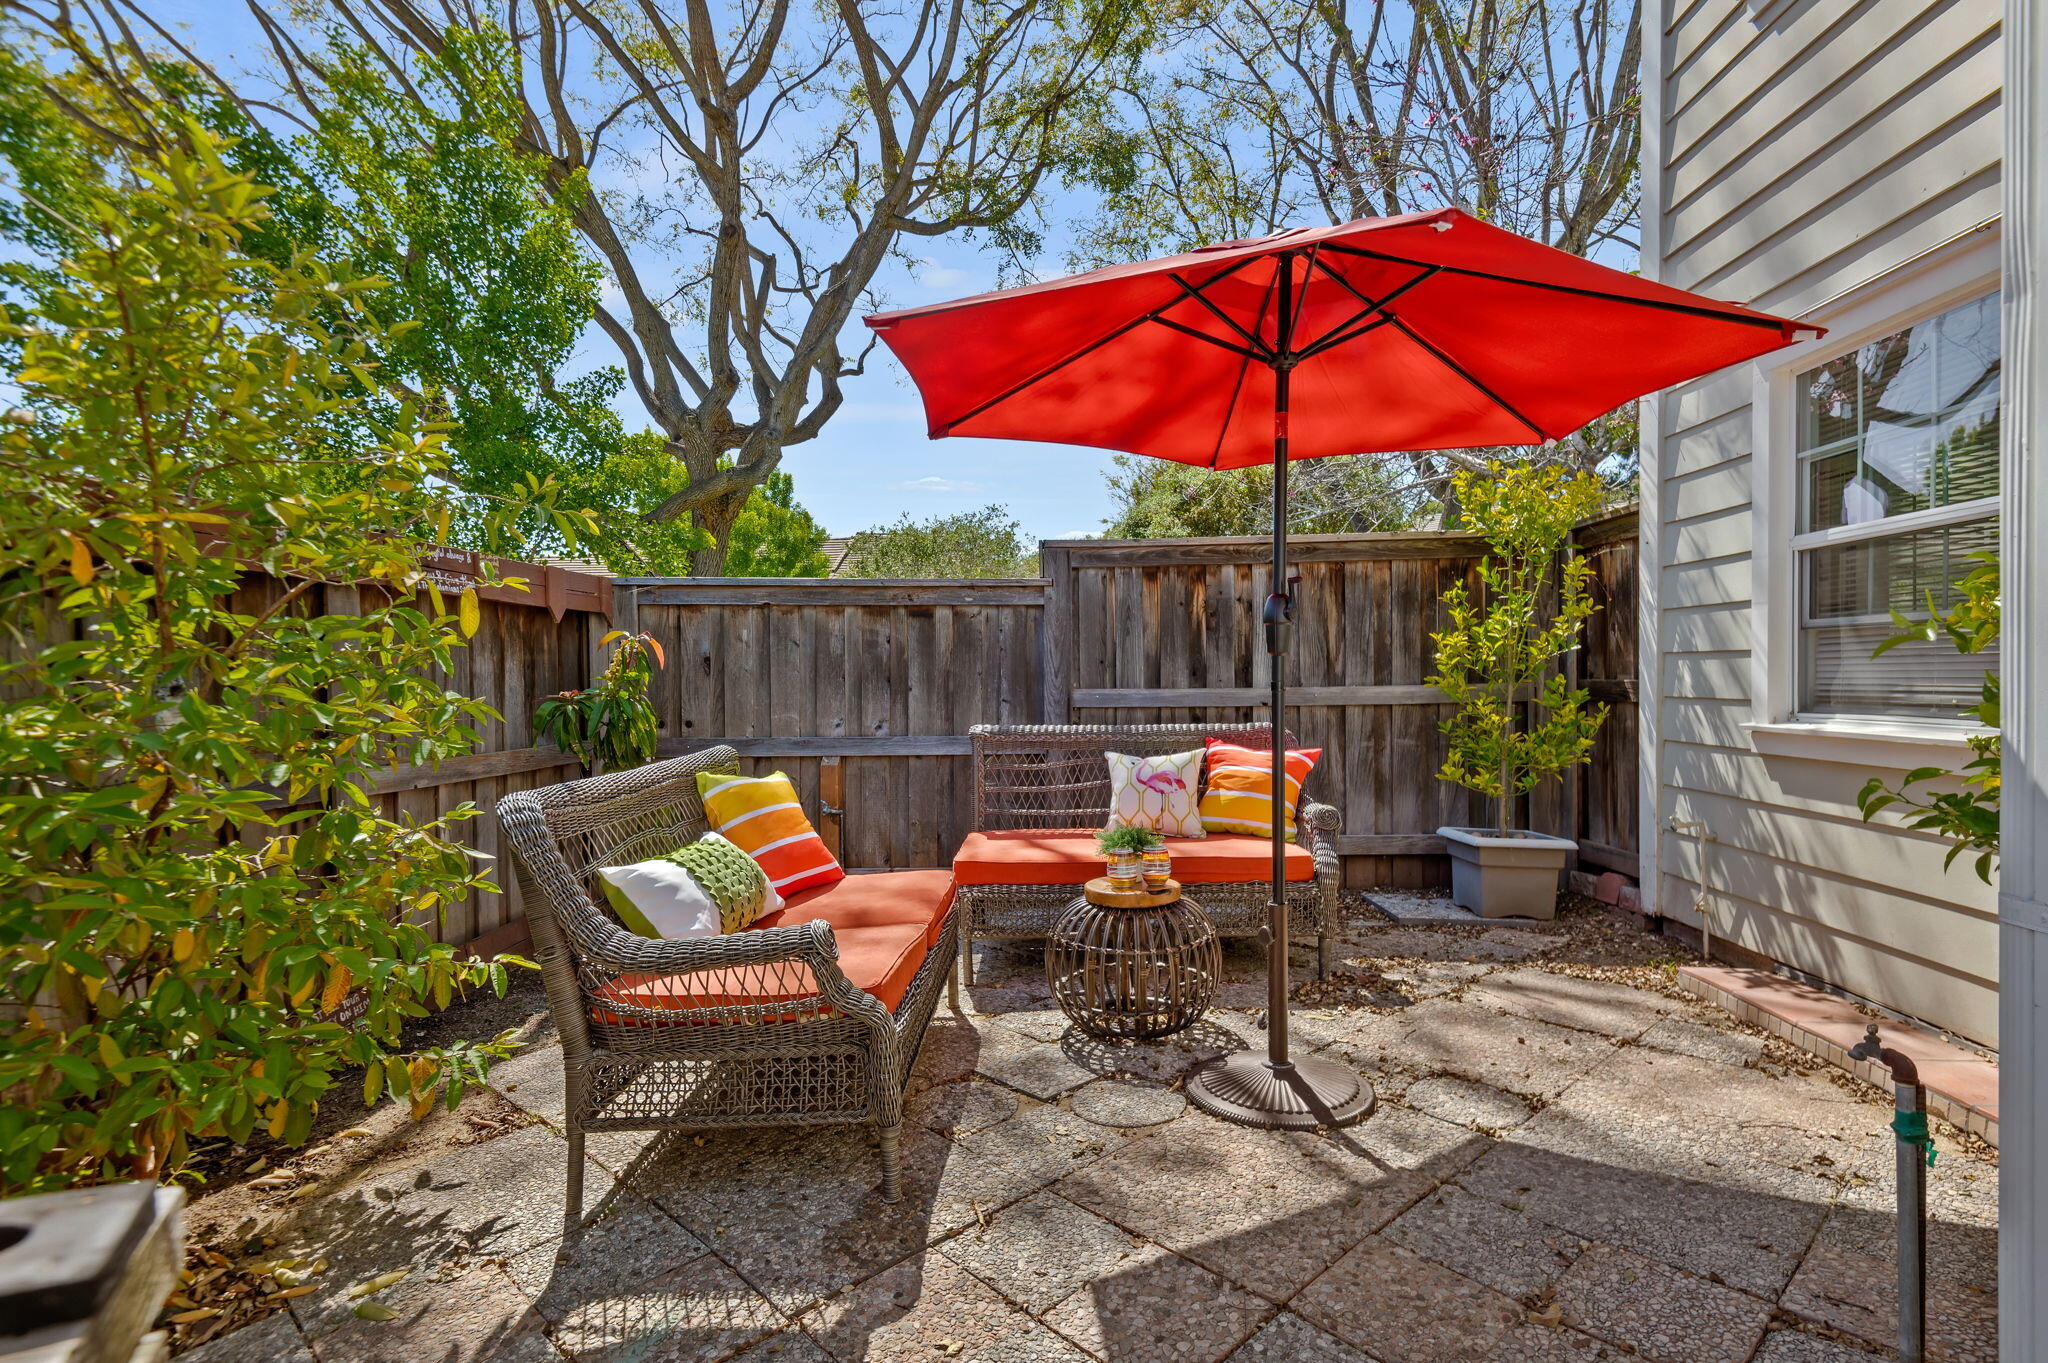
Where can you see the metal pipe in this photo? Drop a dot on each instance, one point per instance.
(1915, 1153)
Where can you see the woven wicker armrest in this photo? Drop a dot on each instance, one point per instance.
(795, 970)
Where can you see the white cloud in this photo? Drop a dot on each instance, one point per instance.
(933, 275)
(936, 484)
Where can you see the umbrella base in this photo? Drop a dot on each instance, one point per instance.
(1246, 1089)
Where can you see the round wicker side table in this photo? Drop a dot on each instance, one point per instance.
(1132, 965)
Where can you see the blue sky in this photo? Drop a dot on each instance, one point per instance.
(873, 463)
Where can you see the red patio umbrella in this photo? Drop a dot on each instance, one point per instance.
(1425, 331)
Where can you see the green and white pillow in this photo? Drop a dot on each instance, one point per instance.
(700, 890)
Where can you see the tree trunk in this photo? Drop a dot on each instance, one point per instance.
(716, 520)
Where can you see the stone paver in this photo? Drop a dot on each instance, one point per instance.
(1518, 1054)
(927, 1308)
(1568, 1001)
(1508, 1251)
(1858, 1295)
(1796, 1346)
(1662, 1313)
(1468, 1103)
(1561, 1170)
(962, 1105)
(1041, 1251)
(274, 1339)
(1400, 1308)
(1689, 1036)
(638, 1280)
(1287, 1338)
(1158, 1308)
(1747, 1239)
(1127, 1106)
(476, 1316)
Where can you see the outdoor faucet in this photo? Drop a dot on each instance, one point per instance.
(1915, 1153)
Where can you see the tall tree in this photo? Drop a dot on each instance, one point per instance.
(1263, 114)
(755, 165)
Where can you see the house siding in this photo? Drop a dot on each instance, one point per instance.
(1798, 151)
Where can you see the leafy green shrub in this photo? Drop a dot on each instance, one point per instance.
(611, 724)
(208, 659)
(1966, 815)
(984, 543)
(1125, 838)
(1502, 642)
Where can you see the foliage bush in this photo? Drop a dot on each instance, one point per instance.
(195, 882)
(1967, 813)
(984, 543)
(1532, 601)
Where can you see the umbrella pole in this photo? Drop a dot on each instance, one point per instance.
(1277, 1090)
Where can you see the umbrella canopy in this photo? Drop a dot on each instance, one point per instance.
(1427, 331)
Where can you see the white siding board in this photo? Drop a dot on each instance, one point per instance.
(1725, 676)
(1706, 629)
(1870, 913)
(1743, 62)
(1797, 228)
(1728, 435)
(1772, 93)
(1723, 487)
(1706, 399)
(1774, 138)
(1708, 537)
(1840, 848)
(1704, 719)
(1940, 169)
(1715, 582)
(1973, 204)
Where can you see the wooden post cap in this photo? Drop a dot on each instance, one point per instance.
(1098, 891)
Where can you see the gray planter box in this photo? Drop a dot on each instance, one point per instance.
(1516, 876)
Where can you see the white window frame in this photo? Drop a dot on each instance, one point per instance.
(1969, 269)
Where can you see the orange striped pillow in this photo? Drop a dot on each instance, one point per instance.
(761, 815)
(1239, 798)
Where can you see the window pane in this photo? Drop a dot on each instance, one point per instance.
(1907, 422)
(1851, 591)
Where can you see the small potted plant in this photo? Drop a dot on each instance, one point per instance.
(1517, 721)
(612, 724)
(1124, 848)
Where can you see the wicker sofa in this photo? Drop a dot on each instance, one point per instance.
(1041, 790)
(813, 1016)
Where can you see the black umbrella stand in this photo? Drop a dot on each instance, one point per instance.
(1277, 1090)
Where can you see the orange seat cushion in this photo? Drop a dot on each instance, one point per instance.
(883, 924)
(881, 898)
(1035, 856)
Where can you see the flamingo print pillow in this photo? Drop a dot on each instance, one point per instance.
(1157, 793)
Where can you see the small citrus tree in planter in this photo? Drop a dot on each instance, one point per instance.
(1515, 727)
(611, 725)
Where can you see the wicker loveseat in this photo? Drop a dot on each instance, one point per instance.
(1041, 792)
(812, 1016)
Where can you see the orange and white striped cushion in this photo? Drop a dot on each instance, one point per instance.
(762, 816)
(1239, 798)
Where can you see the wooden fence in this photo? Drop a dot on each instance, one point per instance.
(863, 691)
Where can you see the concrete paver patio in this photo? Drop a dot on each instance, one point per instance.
(1562, 1167)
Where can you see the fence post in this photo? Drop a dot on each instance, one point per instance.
(1056, 634)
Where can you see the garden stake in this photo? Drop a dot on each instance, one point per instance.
(1915, 1154)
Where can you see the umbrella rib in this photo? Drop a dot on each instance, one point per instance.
(1249, 339)
(1662, 304)
(1237, 389)
(1092, 346)
(1447, 362)
(1216, 341)
(1335, 339)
